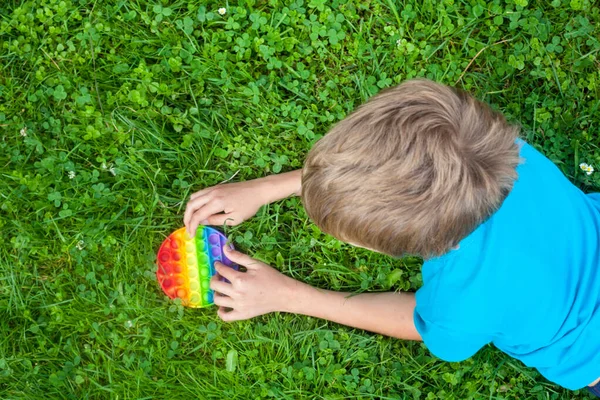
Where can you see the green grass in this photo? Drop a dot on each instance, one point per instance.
(145, 102)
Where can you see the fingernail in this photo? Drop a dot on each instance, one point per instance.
(205, 222)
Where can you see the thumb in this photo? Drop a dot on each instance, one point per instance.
(228, 316)
(239, 258)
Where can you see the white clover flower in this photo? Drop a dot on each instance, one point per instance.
(588, 169)
(129, 324)
(80, 245)
(109, 168)
(222, 11)
(23, 131)
(398, 42)
(71, 174)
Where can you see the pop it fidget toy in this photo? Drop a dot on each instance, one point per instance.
(185, 265)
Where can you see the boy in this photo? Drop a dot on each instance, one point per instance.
(511, 247)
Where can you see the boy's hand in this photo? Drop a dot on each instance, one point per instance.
(259, 290)
(233, 203)
(230, 204)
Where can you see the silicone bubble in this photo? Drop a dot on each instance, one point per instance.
(185, 265)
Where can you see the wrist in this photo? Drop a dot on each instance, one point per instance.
(294, 296)
(266, 190)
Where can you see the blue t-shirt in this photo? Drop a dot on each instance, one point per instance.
(526, 280)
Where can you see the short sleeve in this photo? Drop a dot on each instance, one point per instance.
(448, 344)
(456, 311)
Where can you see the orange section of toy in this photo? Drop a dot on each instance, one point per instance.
(176, 257)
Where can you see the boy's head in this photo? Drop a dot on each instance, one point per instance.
(412, 171)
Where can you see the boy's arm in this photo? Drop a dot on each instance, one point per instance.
(387, 313)
(262, 289)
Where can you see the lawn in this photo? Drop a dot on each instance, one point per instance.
(113, 112)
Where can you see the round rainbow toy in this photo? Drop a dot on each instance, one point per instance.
(185, 265)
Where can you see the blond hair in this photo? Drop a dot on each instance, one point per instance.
(412, 171)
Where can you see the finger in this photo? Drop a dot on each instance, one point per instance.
(223, 301)
(239, 258)
(192, 206)
(217, 285)
(219, 219)
(228, 316)
(201, 192)
(228, 273)
(202, 214)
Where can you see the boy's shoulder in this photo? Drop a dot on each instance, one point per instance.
(492, 259)
(542, 225)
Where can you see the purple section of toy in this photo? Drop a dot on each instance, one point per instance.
(215, 241)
